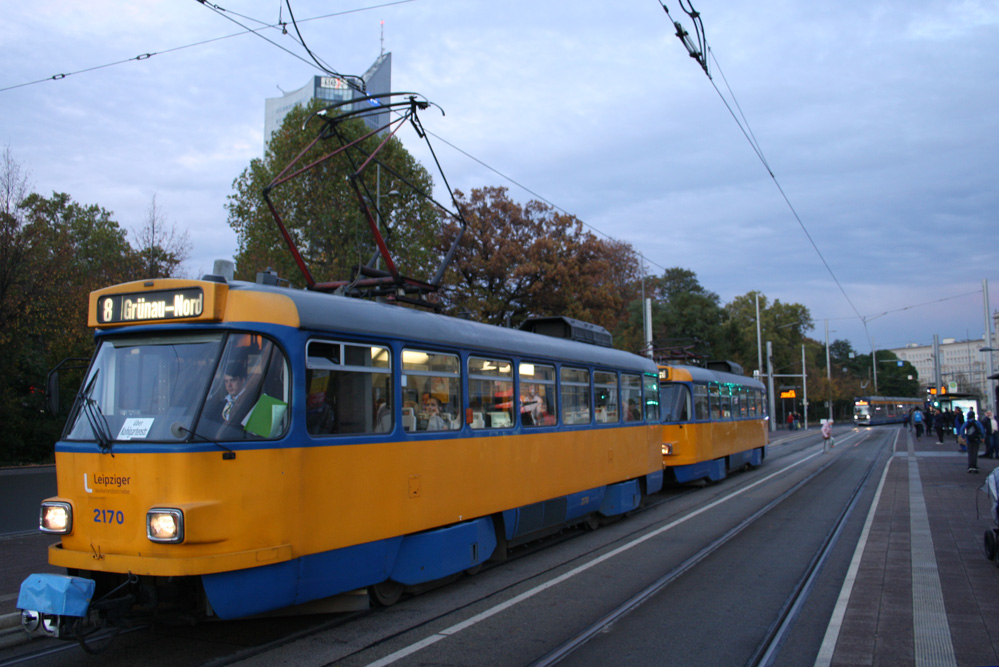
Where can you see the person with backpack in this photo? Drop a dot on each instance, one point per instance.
(973, 433)
(917, 422)
(958, 422)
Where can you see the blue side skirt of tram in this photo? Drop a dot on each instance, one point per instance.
(716, 469)
(409, 559)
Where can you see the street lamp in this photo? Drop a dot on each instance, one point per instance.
(992, 394)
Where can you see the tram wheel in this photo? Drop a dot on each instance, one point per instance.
(990, 544)
(386, 593)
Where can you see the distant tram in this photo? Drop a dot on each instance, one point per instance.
(874, 410)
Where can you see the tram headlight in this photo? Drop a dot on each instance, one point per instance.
(667, 448)
(164, 524)
(56, 518)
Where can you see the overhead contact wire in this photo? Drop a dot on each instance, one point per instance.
(146, 56)
(743, 126)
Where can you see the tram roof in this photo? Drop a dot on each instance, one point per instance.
(699, 374)
(351, 316)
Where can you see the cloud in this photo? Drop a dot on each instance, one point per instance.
(877, 121)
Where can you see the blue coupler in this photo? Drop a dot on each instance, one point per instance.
(56, 594)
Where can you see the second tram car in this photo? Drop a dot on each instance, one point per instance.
(874, 410)
(713, 422)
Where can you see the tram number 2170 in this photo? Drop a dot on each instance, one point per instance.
(109, 516)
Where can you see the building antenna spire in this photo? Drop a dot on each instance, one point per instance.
(383, 37)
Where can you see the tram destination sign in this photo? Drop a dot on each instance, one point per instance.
(150, 306)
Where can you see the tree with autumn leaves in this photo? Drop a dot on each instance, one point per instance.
(517, 261)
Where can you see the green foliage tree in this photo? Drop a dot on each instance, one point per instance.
(321, 210)
(687, 320)
(784, 324)
(54, 253)
(517, 261)
(896, 377)
(683, 310)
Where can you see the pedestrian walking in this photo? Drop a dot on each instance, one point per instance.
(938, 425)
(972, 432)
(828, 442)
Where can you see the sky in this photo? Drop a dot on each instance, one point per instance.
(877, 120)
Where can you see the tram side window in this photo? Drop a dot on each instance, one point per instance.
(651, 382)
(751, 397)
(250, 393)
(490, 392)
(431, 391)
(726, 392)
(701, 405)
(714, 392)
(349, 388)
(537, 394)
(605, 388)
(575, 395)
(631, 397)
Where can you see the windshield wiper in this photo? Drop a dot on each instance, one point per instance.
(95, 417)
(178, 430)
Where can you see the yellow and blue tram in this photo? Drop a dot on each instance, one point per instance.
(713, 422)
(237, 448)
(874, 410)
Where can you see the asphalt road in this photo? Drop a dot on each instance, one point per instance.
(21, 491)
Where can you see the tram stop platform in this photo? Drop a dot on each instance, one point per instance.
(921, 591)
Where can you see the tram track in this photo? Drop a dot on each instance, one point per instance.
(779, 627)
(522, 552)
(769, 645)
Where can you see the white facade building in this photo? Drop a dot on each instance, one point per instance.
(963, 366)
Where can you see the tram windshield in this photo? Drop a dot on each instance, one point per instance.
(674, 402)
(862, 410)
(211, 386)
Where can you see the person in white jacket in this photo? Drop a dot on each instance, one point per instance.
(828, 442)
